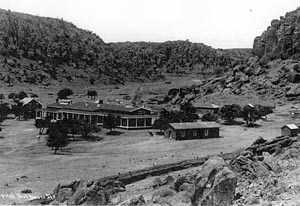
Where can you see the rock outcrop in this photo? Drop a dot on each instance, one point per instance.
(215, 184)
(281, 39)
(90, 193)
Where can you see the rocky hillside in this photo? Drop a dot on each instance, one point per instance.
(271, 73)
(39, 50)
(262, 174)
(281, 39)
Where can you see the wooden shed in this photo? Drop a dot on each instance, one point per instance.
(206, 108)
(290, 130)
(192, 130)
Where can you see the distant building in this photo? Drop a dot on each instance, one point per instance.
(94, 113)
(30, 105)
(206, 108)
(290, 130)
(192, 130)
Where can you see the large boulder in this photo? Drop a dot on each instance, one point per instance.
(90, 193)
(215, 184)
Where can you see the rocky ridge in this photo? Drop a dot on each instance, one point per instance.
(281, 39)
(40, 50)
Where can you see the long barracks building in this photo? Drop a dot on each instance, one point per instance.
(130, 117)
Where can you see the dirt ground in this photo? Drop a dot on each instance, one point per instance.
(27, 163)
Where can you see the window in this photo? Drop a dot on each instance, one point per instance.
(206, 132)
(100, 119)
(140, 112)
(194, 133)
(182, 133)
(124, 122)
(148, 121)
(132, 122)
(140, 122)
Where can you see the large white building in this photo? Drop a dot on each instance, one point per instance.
(129, 117)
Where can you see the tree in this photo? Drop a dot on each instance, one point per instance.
(250, 115)
(230, 112)
(64, 93)
(93, 94)
(34, 95)
(161, 123)
(110, 121)
(92, 80)
(209, 117)
(4, 111)
(12, 95)
(22, 95)
(17, 110)
(264, 110)
(85, 129)
(74, 126)
(189, 112)
(58, 135)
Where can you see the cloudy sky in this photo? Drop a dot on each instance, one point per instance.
(218, 23)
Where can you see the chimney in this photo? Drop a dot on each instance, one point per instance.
(100, 101)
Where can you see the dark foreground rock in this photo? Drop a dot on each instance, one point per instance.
(215, 184)
(90, 193)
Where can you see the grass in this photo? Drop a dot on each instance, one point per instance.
(23, 154)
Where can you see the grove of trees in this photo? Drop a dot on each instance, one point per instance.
(64, 93)
(187, 113)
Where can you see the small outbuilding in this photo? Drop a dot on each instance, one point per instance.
(290, 130)
(206, 108)
(192, 130)
(30, 105)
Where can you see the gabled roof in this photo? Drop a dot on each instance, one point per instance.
(27, 100)
(94, 107)
(208, 106)
(194, 125)
(291, 126)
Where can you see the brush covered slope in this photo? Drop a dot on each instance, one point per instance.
(40, 50)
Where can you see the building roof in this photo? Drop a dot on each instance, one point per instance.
(206, 106)
(27, 100)
(94, 107)
(291, 126)
(194, 125)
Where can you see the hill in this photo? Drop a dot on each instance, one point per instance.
(40, 50)
(281, 39)
(271, 73)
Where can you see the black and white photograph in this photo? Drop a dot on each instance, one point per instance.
(150, 102)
